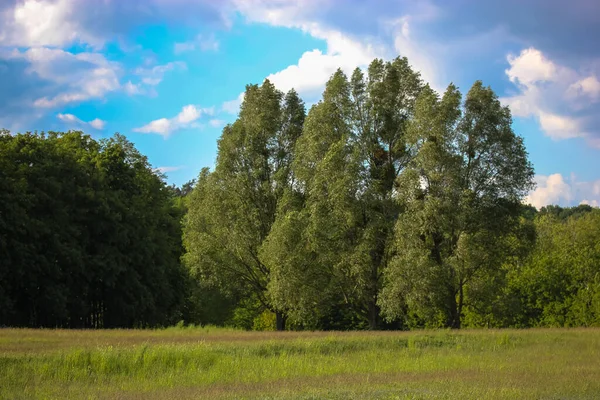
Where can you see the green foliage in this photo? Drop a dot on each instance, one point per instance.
(89, 236)
(559, 282)
(460, 196)
(565, 213)
(232, 209)
(388, 207)
(330, 242)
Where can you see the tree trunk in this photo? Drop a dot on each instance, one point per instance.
(460, 304)
(456, 309)
(280, 321)
(373, 315)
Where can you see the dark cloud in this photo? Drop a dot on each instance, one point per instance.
(19, 88)
(562, 29)
(119, 18)
(567, 31)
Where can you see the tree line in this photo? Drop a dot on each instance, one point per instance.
(89, 235)
(386, 206)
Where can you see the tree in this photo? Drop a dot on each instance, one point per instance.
(460, 193)
(88, 234)
(329, 244)
(559, 283)
(232, 209)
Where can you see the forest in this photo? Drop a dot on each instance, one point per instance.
(384, 206)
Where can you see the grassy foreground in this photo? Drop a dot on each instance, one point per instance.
(218, 363)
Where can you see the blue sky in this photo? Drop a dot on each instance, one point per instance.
(168, 74)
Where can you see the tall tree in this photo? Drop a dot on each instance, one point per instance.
(232, 209)
(329, 246)
(460, 193)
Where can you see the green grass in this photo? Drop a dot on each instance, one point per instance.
(218, 363)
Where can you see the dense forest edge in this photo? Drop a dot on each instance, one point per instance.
(386, 206)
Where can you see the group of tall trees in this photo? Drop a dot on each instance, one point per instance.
(386, 206)
(89, 235)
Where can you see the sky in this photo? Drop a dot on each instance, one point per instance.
(169, 74)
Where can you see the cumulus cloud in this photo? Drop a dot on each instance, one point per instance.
(34, 23)
(97, 123)
(39, 71)
(564, 100)
(555, 189)
(65, 77)
(73, 120)
(530, 67)
(188, 114)
(327, 21)
(314, 67)
(162, 126)
(589, 87)
(186, 118)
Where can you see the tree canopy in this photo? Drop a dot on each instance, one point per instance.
(89, 236)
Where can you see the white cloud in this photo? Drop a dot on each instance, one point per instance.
(69, 118)
(74, 77)
(589, 87)
(33, 23)
(161, 126)
(233, 106)
(132, 88)
(186, 118)
(593, 203)
(286, 13)
(208, 43)
(555, 189)
(209, 111)
(153, 76)
(217, 123)
(559, 97)
(201, 42)
(150, 77)
(188, 114)
(179, 48)
(164, 170)
(530, 67)
(418, 54)
(559, 127)
(314, 68)
(73, 120)
(97, 123)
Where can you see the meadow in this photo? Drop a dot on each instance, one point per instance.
(190, 363)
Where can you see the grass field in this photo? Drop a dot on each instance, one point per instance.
(218, 363)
